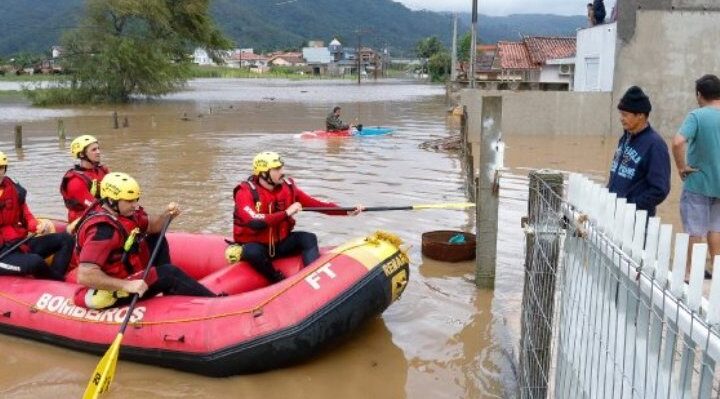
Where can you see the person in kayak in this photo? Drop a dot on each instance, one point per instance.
(113, 251)
(80, 185)
(263, 218)
(16, 221)
(334, 124)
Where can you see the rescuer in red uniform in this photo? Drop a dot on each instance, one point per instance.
(263, 218)
(16, 221)
(113, 251)
(80, 186)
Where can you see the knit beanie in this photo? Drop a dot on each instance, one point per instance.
(635, 101)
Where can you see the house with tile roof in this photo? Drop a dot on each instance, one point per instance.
(537, 59)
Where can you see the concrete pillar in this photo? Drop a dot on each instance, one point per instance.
(486, 196)
(541, 260)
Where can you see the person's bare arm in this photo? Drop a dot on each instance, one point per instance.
(91, 275)
(678, 151)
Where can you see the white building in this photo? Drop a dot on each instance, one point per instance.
(201, 57)
(595, 58)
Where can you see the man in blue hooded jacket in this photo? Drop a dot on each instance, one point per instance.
(640, 170)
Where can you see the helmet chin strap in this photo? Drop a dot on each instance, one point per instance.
(84, 157)
(112, 204)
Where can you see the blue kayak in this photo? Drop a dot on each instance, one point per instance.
(374, 131)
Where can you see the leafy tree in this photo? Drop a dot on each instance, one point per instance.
(439, 66)
(428, 47)
(26, 60)
(464, 45)
(136, 47)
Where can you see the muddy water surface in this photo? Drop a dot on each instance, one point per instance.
(443, 339)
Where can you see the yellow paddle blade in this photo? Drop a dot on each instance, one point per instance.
(104, 372)
(455, 205)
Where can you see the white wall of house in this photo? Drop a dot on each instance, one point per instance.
(201, 57)
(558, 71)
(595, 58)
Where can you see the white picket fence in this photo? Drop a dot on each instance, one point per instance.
(628, 326)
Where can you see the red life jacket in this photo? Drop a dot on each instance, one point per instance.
(13, 225)
(264, 202)
(91, 178)
(120, 263)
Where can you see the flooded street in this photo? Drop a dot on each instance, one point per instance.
(443, 339)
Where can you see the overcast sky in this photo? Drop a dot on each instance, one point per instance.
(505, 7)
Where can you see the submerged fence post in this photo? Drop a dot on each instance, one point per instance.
(61, 129)
(18, 136)
(541, 260)
(487, 195)
(116, 124)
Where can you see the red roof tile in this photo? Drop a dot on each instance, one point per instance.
(514, 55)
(542, 49)
(244, 56)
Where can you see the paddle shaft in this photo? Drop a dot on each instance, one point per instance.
(135, 296)
(460, 205)
(16, 245)
(368, 209)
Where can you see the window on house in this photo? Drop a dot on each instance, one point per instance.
(592, 73)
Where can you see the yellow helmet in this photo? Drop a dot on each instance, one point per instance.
(3, 159)
(77, 146)
(265, 161)
(119, 186)
(233, 253)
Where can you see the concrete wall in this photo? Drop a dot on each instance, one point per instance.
(664, 51)
(598, 43)
(544, 112)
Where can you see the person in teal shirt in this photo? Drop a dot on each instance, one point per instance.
(696, 149)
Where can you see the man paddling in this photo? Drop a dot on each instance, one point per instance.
(263, 218)
(113, 253)
(334, 124)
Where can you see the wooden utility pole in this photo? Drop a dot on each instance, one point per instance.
(473, 43)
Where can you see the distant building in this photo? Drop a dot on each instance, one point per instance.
(201, 57)
(515, 62)
(337, 60)
(56, 51)
(317, 59)
(537, 59)
(289, 59)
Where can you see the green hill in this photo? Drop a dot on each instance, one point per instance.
(34, 25)
(513, 27)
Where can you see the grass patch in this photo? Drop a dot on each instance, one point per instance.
(32, 78)
(290, 73)
(11, 96)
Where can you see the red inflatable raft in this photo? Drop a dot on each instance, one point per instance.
(256, 327)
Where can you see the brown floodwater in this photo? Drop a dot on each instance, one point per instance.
(443, 339)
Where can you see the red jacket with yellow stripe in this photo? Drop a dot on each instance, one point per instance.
(260, 216)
